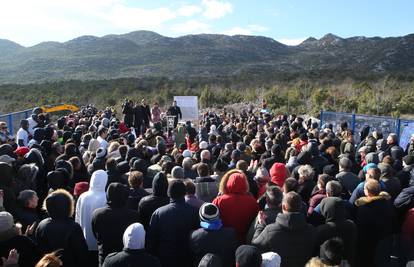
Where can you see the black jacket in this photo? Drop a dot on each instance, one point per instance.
(29, 254)
(26, 217)
(109, 223)
(128, 257)
(55, 234)
(157, 199)
(336, 225)
(222, 242)
(135, 196)
(375, 222)
(167, 236)
(290, 237)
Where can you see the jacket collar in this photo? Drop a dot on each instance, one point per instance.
(366, 200)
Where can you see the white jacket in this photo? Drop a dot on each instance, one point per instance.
(89, 201)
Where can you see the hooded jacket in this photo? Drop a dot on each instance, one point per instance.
(60, 231)
(237, 207)
(278, 174)
(336, 225)
(88, 202)
(290, 237)
(109, 223)
(133, 252)
(157, 199)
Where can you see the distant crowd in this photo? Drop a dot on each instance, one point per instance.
(235, 189)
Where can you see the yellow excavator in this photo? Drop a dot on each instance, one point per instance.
(59, 108)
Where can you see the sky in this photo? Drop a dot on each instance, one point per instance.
(29, 22)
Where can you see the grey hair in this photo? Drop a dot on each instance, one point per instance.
(187, 163)
(306, 172)
(25, 196)
(333, 189)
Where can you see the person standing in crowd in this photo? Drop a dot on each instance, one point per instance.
(234, 193)
(155, 113)
(134, 250)
(128, 111)
(60, 231)
(170, 227)
(109, 223)
(289, 236)
(5, 136)
(157, 199)
(146, 114)
(23, 135)
(175, 110)
(87, 203)
(33, 119)
(139, 114)
(212, 237)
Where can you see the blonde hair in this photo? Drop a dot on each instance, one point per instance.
(113, 146)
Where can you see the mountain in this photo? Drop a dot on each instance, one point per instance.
(149, 54)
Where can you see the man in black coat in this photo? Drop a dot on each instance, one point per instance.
(212, 237)
(290, 236)
(146, 114)
(170, 227)
(128, 111)
(157, 199)
(109, 223)
(175, 110)
(139, 114)
(375, 222)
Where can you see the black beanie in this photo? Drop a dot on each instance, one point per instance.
(117, 195)
(176, 189)
(248, 256)
(331, 252)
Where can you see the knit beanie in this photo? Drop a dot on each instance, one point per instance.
(209, 212)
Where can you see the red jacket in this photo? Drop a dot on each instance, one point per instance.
(237, 207)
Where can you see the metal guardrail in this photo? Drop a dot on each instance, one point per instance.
(356, 122)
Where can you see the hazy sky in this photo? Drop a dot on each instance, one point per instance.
(29, 22)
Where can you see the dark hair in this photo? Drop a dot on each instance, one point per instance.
(202, 169)
(290, 184)
(292, 202)
(123, 150)
(111, 164)
(189, 187)
(274, 196)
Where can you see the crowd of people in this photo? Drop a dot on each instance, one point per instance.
(244, 189)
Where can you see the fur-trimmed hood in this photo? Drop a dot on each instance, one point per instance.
(366, 200)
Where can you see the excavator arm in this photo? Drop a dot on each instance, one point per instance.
(60, 108)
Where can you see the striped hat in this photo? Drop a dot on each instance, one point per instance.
(209, 212)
